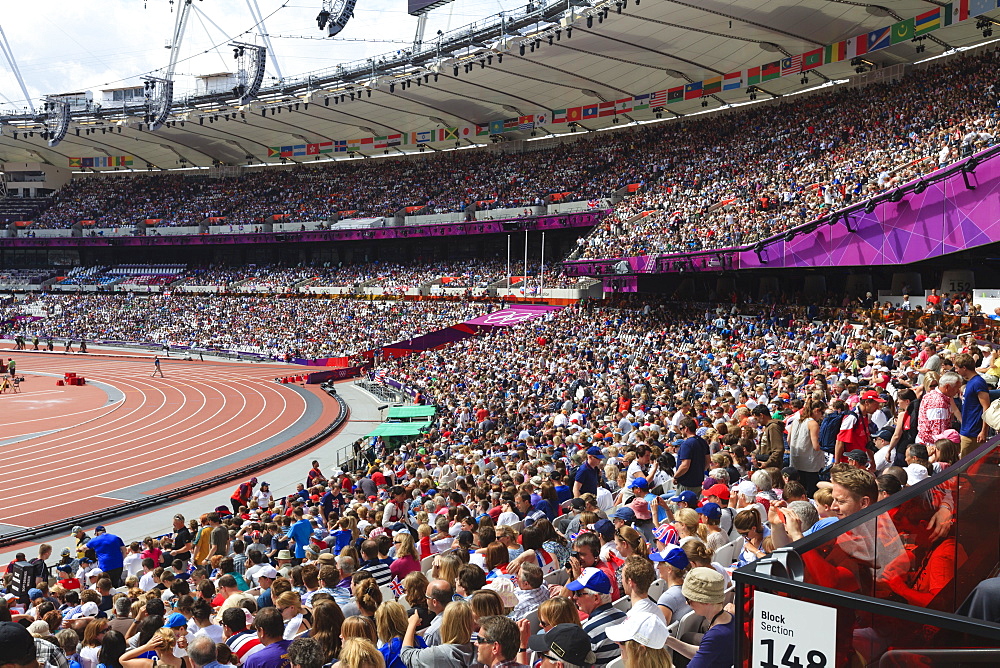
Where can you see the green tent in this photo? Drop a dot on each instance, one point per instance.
(411, 412)
(399, 429)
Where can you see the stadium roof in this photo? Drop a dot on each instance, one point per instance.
(650, 46)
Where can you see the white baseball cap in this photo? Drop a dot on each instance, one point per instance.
(644, 628)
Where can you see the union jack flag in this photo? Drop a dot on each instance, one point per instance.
(397, 587)
(593, 203)
(666, 534)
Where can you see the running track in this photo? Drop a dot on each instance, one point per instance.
(67, 451)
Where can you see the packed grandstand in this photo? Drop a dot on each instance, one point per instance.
(607, 471)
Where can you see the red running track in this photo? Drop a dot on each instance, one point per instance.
(178, 426)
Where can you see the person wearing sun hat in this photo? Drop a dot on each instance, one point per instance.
(704, 588)
(563, 645)
(643, 639)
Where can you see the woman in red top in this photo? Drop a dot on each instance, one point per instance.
(407, 559)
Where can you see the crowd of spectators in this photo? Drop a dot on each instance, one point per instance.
(272, 327)
(718, 181)
(591, 477)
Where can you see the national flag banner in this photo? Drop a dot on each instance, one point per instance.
(879, 39)
(927, 22)
(483, 129)
(640, 102)
(86, 162)
(574, 114)
(511, 123)
(903, 31)
(835, 52)
(312, 149)
(959, 11)
(325, 147)
(812, 59)
(286, 151)
(666, 534)
(606, 109)
(658, 99)
(526, 123)
(467, 131)
(692, 91)
(732, 81)
(448, 134)
(396, 586)
(791, 65)
(367, 141)
(496, 127)
(856, 46)
(273, 151)
(712, 86)
(541, 119)
(299, 150)
(590, 111)
(593, 203)
(753, 76)
(675, 94)
(78, 162)
(977, 7)
(624, 105)
(394, 140)
(381, 142)
(559, 116)
(353, 144)
(770, 71)
(339, 145)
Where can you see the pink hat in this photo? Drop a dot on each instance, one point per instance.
(949, 434)
(641, 509)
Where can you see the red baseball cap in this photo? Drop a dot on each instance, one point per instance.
(718, 490)
(871, 395)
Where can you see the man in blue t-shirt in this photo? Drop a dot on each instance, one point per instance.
(589, 475)
(693, 459)
(975, 400)
(110, 550)
(299, 532)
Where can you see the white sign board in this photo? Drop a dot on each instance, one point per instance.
(792, 634)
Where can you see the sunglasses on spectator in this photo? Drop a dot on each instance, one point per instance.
(484, 641)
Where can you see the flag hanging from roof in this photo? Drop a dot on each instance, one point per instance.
(692, 91)
(770, 71)
(835, 52)
(927, 22)
(640, 102)
(574, 114)
(339, 145)
(675, 94)
(879, 39)
(559, 116)
(511, 123)
(624, 105)
(658, 99)
(903, 30)
(791, 65)
(856, 46)
(381, 142)
(496, 127)
(590, 111)
(606, 109)
(812, 59)
(712, 86)
(753, 76)
(977, 7)
(732, 81)
(541, 119)
(353, 144)
(423, 136)
(526, 123)
(396, 140)
(286, 151)
(447, 134)
(482, 129)
(467, 131)
(272, 152)
(78, 162)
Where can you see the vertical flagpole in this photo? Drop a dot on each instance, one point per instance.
(508, 265)
(524, 271)
(541, 268)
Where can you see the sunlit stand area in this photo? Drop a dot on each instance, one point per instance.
(899, 584)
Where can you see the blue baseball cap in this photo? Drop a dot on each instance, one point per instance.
(624, 513)
(642, 483)
(175, 621)
(35, 593)
(673, 555)
(711, 511)
(593, 579)
(595, 451)
(687, 496)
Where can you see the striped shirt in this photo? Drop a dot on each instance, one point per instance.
(244, 644)
(595, 627)
(379, 569)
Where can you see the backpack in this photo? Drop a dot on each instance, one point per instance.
(829, 429)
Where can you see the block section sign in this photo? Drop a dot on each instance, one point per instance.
(789, 633)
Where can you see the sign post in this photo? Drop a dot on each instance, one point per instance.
(792, 634)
